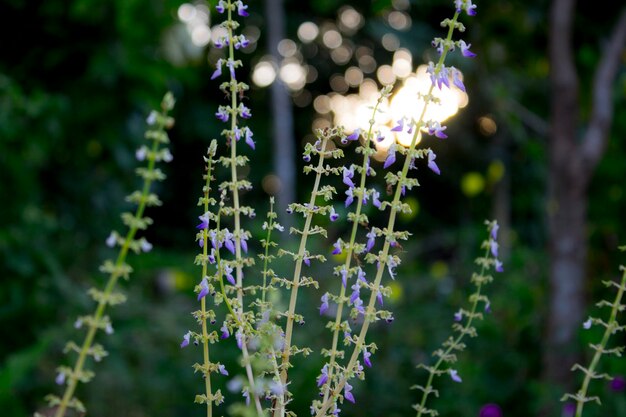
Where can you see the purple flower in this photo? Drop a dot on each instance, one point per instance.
(379, 136)
(360, 275)
(347, 393)
(246, 394)
(490, 410)
(366, 357)
(431, 162)
(337, 247)
(141, 153)
(244, 112)
(324, 305)
(618, 384)
(204, 289)
(244, 243)
(465, 49)
(333, 214)
(222, 114)
(249, 140)
(391, 264)
(350, 197)
(225, 332)
(221, 42)
(379, 295)
(436, 129)
(569, 409)
(344, 276)
(399, 127)
(185, 341)
(220, 6)
(488, 307)
(145, 245)
(375, 199)
(228, 272)
(239, 337)
(371, 239)
(587, 324)
(455, 375)
(204, 221)
(229, 241)
(456, 79)
(443, 78)
(323, 378)
(60, 379)
(222, 369)
(356, 289)
(152, 118)
(458, 316)
(347, 176)
(354, 136)
(494, 231)
(242, 42)
(499, 267)
(241, 9)
(111, 240)
(231, 66)
(391, 156)
(493, 246)
(218, 69)
(108, 329)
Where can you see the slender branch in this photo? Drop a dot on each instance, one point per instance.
(597, 135)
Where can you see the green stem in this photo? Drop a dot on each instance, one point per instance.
(370, 315)
(350, 249)
(236, 207)
(610, 328)
(112, 281)
(433, 371)
(298, 269)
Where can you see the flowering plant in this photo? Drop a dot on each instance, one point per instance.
(240, 295)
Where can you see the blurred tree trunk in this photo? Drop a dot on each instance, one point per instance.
(573, 158)
(282, 115)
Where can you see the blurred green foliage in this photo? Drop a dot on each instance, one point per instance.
(77, 79)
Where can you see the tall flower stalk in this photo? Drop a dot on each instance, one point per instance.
(447, 353)
(440, 75)
(611, 327)
(157, 151)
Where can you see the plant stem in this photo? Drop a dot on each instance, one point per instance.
(112, 281)
(610, 329)
(350, 249)
(297, 271)
(369, 316)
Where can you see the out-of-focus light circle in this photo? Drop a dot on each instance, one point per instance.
(287, 48)
(311, 74)
(472, 184)
(402, 63)
(217, 33)
(271, 184)
(201, 35)
(367, 63)
(354, 76)
(385, 75)
(368, 90)
(293, 74)
(308, 31)
(332, 39)
(321, 104)
(186, 12)
(263, 74)
(399, 20)
(390, 42)
(487, 126)
(350, 18)
(341, 55)
(320, 123)
(302, 99)
(338, 83)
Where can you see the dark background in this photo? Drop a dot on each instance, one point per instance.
(77, 80)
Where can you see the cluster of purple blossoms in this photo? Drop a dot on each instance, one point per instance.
(241, 8)
(493, 247)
